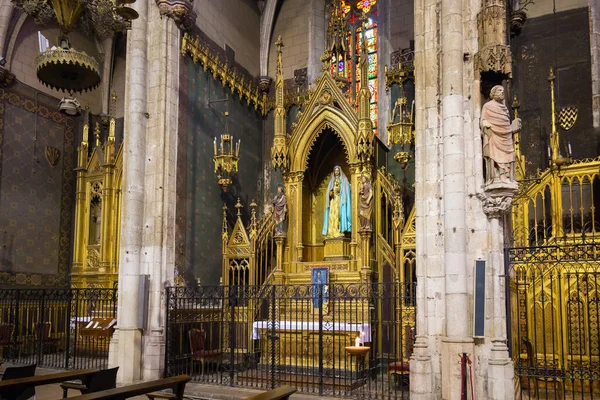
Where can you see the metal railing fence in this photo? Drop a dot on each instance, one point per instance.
(301, 335)
(63, 328)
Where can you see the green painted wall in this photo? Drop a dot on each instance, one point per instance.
(203, 197)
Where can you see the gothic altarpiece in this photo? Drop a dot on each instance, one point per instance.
(97, 209)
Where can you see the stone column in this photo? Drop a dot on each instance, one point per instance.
(6, 10)
(107, 45)
(457, 338)
(161, 165)
(500, 372)
(316, 38)
(148, 219)
(425, 378)
(126, 346)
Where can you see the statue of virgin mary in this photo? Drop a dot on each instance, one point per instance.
(338, 207)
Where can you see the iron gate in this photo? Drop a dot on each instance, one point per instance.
(554, 303)
(62, 328)
(263, 337)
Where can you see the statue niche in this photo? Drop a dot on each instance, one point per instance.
(327, 198)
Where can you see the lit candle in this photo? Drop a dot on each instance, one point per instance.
(215, 146)
(570, 153)
(357, 341)
(549, 152)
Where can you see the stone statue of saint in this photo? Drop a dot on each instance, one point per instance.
(497, 131)
(280, 210)
(366, 204)
(338, 207)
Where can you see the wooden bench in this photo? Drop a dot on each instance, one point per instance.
(47, 379)
(281, 393)
(175, 383)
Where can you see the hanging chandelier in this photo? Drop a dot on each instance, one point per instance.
(226, 157)
(65, 68)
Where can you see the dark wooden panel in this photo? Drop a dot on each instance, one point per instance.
(560, 41)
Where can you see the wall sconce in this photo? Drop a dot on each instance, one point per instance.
(226, 158)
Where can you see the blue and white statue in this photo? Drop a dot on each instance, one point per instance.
(338, 208)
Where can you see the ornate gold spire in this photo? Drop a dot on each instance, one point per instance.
(519, 157)
(365, 136)
(279, 151)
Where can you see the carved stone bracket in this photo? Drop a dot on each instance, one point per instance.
(6, 77)
(496, 58)
(497, 199)
(182, 12)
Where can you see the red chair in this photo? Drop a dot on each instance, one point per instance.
(43, 334)
(401, 369)
(199, 352)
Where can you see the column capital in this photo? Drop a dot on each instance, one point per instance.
(182, 12)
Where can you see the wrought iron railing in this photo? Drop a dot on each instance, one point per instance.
(262, 337)
(554, 326)
(63, 328)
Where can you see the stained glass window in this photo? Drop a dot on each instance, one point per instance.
(370, 28)
(348, 19)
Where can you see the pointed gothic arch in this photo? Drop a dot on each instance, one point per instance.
(328, 117)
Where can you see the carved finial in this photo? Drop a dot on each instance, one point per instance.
(97, 133)
(279, 44)
(224, 233)
(515, 106)
(238, 206)
(253, 220)
(113, 104)
(86, 126)
(326, 60)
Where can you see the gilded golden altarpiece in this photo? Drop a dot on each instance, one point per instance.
(97, 208)
(553, 260)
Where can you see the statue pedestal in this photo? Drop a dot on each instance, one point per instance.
(337, 249)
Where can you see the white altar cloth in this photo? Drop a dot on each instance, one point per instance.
(313, 326)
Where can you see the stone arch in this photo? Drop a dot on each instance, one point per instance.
(6, 12)
(266, 30)
(328, 117)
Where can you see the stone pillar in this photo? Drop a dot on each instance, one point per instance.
(148, 222)
(425, 377)
(452, 231)
(500, 372)
(6, 10)
(107, 45)
(457, 335)
(126, 346)
(595, 50)
(161, 165)
(316, 38)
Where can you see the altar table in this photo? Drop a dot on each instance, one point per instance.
(298, 342)
(328, 327)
